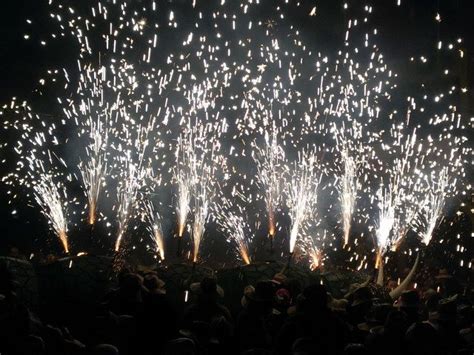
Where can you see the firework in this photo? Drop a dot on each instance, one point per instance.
(349, 184)
(233, 221)
(133, 177)
(93, 171)
(153, 221)
(199, 223)
(386, 220)
(50, 196)
(183, 177)
(432, 210)
(269, 163)
(252, 74)
(302, 192)
(315, 258)
(348, 193)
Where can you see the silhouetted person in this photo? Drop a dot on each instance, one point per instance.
(128, 298)
(157, 323)
(257, 323)
(314, 322)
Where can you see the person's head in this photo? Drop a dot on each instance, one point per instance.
(294, 287)
(262, 297)
(409, 300)
(131, 284)
(360, 304)
(432, 299)
(207, 289)
(283, 298)
(396, 321)
(422, 338)
(154, 284)
(313, 298)
(378, 313)
(447, 309)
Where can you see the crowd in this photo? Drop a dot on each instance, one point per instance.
(276, 316)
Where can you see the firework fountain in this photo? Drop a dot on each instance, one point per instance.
(133, 177)
(94, 169)
(352, 158)
(153, 221)
(269, 175)
(50, 196)
(233, 221)
(183, 179)
(431, 212)
(302, 192)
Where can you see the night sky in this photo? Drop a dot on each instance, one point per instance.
(406, 31)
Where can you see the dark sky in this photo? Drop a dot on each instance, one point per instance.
(404, 31)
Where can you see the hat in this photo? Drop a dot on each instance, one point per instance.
(338, 304)
(447, 308)
(262, 292)
(279, 278)
(443, 274)
(208, 286)
(362, 295)
(409, 299)
(283, 296)
(314, 296)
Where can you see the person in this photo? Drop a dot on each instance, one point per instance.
(445, 322)
(257, 323)
(206, 319)
(392, 332)
(128, 298)
(410, 304)
(422, 338)
(314, 322)
(157, 321)
(206, 305)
